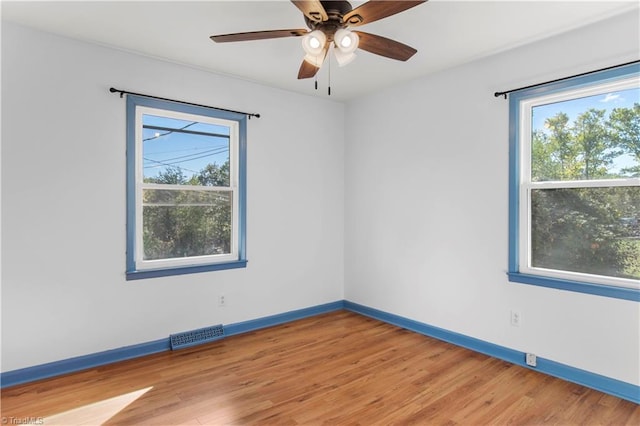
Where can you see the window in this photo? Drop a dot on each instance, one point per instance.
(575, 184)
(186, 172)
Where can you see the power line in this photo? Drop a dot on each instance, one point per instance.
(171, 151)
(197, 156)
(183, 130)
(167, 133)
(213, 151)
(165, 164)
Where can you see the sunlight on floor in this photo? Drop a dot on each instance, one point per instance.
(96, 413)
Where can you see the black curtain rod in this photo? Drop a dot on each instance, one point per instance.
(125, 92)
(506, 92)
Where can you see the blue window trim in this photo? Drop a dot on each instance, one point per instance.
(134, 101)
(514, 184)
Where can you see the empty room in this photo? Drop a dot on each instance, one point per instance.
(320, 212)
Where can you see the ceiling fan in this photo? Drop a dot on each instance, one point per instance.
(328, 23)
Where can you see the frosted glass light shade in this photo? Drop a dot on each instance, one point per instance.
(346, 41)
(315, 60)
(343, 58)
(313, 42)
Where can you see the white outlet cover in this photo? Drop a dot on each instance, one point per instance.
(516, 318)
(531, 360)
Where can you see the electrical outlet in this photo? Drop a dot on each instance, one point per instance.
(516, 318)
(222, 300)
(531, 360)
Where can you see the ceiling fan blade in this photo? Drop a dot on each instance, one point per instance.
(312, 9)
(307, 70)
(384, 46)
(374, 10)
(258, 35)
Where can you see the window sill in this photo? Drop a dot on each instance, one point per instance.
(577, 286)
(154, 273)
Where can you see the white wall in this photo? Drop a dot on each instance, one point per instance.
(64, 291)
(426, 208)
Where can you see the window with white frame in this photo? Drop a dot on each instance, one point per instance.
(575, 184)
(185, 188)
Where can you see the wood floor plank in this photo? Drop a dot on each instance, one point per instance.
(339, 368)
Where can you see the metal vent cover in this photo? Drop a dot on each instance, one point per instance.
(196, 337)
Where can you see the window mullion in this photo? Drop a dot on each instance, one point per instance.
(171, 187)
(604, 183)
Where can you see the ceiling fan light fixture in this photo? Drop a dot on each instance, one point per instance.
(313, 42)
(346, 41)
(315, 60)
(343, 58)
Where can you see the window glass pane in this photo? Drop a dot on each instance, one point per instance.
(594, 137)
(184, 152)
(588, 230)
(186, 223)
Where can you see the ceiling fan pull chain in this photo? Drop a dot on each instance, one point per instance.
(329, 69)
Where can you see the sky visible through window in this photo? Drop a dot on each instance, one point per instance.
(180, 144)
(573, 108)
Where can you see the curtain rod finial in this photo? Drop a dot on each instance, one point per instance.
(114, 90)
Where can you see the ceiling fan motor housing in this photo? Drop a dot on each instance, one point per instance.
(335, 11)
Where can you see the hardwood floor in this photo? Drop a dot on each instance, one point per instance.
(337, 368)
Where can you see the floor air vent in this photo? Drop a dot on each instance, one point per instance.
(196, 337)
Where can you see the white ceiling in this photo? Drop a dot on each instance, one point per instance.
(445, 32)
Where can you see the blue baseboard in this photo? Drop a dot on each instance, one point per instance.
(71, 365)
(604, 384)
(595, 381)
(57, 368)
(257, 324)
